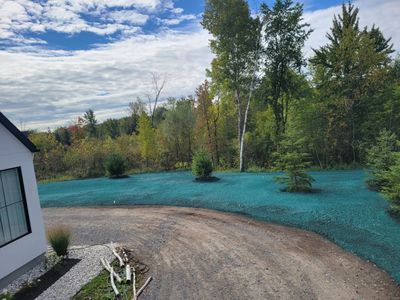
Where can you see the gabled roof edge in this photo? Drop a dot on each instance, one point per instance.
(18, 134)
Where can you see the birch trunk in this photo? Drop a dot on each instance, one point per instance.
(243, 133)
(114, 287)
(239, 112)
(253, 79)
(128, 273)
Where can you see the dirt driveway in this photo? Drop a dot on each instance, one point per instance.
(203, 254)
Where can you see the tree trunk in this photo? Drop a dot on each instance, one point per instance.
(353, 139)
(216, 144)
(215, 133)
(239, 111)
(242, 167)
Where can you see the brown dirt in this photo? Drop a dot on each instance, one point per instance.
(204, 254)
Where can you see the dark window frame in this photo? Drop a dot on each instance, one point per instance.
(24, 202)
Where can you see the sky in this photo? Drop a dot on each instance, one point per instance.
(59, 58)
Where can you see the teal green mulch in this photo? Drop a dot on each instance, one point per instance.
(344, 210)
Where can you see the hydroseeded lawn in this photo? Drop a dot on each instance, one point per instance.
(344, 210)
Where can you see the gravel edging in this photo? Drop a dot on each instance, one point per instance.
(80, 274)
(34, 273)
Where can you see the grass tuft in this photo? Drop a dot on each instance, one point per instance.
(59, 238)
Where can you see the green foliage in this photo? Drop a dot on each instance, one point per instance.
(6, 296)
(182, 165)
(236, 44)
(115, 165)
(49, 161)
(292, 159)
(391, 187)
(111, 128)
(59, 239)
(383, 159)
(380, 158)
(202, 165)
(178, 129)
(90, 121)
(86, 158)
(351, 94)
(349, 74)
(99, 288)
(284, 38)
(146, 139)
(63, 136)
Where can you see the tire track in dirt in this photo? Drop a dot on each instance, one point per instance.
(204, 254)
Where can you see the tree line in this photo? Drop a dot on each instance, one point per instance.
(261, 97)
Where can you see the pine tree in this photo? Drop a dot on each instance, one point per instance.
(91, 122)
(293, 160)
(380, 157)
(392, 185)
(351, 67)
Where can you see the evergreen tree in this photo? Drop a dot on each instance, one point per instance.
(115, 165)
(202, 165)
(391, 188)
(293, 159)
(380, 158)
(347, 71)
(90, 122)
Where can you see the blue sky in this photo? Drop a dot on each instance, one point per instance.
(181, 12)
(62, 57)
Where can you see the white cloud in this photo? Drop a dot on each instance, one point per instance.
(129, 16)
(18, 17)
(176, 20)
(48, 90)
(45, 88)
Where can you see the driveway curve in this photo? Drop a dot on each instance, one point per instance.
(204, 254)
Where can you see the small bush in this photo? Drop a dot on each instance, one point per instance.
(293, 160)
(202, 165)
(59, 239)
(392, 185)
(296, 181)
(115, 165)
(380, 158)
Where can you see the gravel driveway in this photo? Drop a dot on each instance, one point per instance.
(203, 254)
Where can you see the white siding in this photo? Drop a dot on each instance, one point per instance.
(16, 254)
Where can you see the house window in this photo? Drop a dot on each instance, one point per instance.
(14, 221)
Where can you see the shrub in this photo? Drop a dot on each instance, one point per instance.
(202, 165)
(115, 165)
(292, 159)
(59, 239)
(391, 189)
(296, 181)
(380, 157)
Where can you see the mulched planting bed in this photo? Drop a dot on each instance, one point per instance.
(207, 179)
(100, 287)
(38, 286)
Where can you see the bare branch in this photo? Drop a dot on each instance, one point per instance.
(158, 84)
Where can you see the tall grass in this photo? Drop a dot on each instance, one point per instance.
(59, 238)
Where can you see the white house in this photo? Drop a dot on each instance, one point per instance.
(22, 237)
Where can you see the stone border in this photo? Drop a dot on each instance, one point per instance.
(80, 274)
(71, 282)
